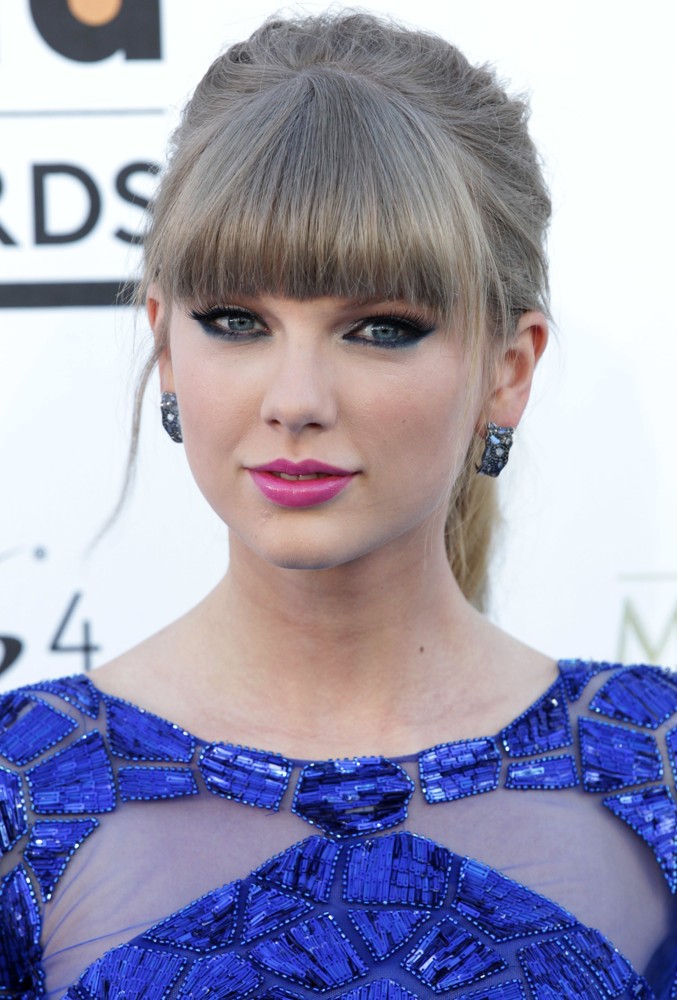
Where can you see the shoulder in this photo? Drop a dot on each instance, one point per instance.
(626, 721)
(639, 694)
(38, 724)
(38, 717)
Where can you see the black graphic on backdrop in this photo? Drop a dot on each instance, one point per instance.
(45, 178)
(11, 646)
(10, 650)
(86, 647)
(85, 31)
(67, 28)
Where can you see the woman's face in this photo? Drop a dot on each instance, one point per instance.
(370, 403)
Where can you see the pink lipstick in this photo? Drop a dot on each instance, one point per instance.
(299, 484)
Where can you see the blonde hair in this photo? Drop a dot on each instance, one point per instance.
(342, 154)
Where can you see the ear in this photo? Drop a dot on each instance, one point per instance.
(158, 317)
(515, 370)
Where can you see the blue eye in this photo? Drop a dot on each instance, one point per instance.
(229, 323)
(391, 331)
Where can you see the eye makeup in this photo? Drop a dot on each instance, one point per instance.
(387, 331)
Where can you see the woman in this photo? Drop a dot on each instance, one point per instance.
(345, 278)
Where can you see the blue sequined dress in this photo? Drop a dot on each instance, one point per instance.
(539, 863)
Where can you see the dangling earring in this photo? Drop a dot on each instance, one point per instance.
(496, 449)
(170, 416)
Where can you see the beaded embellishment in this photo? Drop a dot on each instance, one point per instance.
(615, 757)
(19, 936)
(652, 814)
(29, 726)
(13, 819)
(450, 956)
(453, 770)
(399, 869)
(385, 930)
(544, 726)
(139, 784)
(138, 735)
(502, 908)
(307, 868)
(310, 948)
(78, 779)
(544, 773)
(77, 691)
(628, 697)
(202, 926)
(351, 797)
(251, 776)
(322, 915)
(51, 845)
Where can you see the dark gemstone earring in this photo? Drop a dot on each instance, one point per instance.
(170, 416)
(497, 447)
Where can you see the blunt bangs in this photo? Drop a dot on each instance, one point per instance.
(323, 184)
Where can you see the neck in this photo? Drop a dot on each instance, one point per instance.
(345, 648)
(384, 657)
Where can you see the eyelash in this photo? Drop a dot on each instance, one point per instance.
(414, 327)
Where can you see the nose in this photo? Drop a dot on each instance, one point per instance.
(300, 392)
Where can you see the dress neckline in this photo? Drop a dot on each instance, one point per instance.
(553, 695)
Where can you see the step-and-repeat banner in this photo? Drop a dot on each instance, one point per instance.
(89, 91)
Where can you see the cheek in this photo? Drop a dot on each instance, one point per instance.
(434, 412)
(418, 430)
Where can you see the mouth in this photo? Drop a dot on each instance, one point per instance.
(309, 468)
(300, 478)
(299, 484)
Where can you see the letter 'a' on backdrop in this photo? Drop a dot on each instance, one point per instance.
(89, 92)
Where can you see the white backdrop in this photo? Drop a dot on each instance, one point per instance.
(588, 564)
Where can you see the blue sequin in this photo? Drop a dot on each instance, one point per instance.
(250, 776)
(652, 814)
(553, 971)
(379, 989)
(315, 954)
(268, 908)
(77, 691)
(278, 993)
(204, 924)
(139, 735)
(504, 909)
(133, 973)
(307, 867)
(510, 990)
(29, 726)
(576, 674)
(400, 868)
(671, 741)
(449, 956)
(544, 726)
(20, 973)
(639, 989)
(13, 821)
(544, 774)
(78, 779)
(385, 930)
(615, 757)
(225, 977)
(51, 845)
(453, 770)
(605, 961)
(361, 795)
(638, 694)
(146, 783)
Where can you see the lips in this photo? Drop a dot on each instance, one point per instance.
(299, 484)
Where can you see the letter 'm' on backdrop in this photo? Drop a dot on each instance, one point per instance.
(89, 91)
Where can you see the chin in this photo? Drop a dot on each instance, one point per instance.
(306, 557)
(307, 550)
